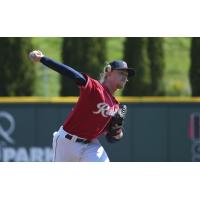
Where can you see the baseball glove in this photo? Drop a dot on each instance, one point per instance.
(115, 129)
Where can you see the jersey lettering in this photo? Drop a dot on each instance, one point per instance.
(105, 110)
(96, 113)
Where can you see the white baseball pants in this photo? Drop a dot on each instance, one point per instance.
(65, 150)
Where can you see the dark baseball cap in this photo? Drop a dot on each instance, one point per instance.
(122, 65)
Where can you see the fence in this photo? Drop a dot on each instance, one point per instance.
(156, 129)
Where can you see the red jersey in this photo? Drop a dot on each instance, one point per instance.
(93, 111)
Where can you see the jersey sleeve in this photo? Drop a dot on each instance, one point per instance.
(64, 70)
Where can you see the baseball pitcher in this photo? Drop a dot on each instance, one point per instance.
(97, 112)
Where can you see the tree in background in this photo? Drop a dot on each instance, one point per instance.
(17, 76)
(135, 54)
(147, 56)
(85, 55)
(194, 73)
(157, 65)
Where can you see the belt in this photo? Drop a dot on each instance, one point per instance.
(77, 139)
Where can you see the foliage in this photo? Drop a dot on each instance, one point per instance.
(47, 81)
(157, 65)
(85, 55)
(177, 60)
(195, 67)
(135, 54)
(17, 75)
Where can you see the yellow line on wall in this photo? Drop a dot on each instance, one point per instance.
(38, 99)
(71, 99)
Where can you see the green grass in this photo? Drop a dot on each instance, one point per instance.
(176, 58)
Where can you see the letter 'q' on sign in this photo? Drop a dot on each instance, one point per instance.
(5, 132)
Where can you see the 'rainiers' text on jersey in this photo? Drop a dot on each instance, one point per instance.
(97, 105)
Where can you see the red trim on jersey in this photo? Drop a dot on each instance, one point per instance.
(92, 113)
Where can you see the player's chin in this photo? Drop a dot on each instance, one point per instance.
(121, 86)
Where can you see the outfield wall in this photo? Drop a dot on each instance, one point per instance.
(156, 129)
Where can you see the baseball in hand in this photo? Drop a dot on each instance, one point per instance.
(35, 55)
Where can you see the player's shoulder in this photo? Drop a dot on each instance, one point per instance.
(91, 80)
(92, 85)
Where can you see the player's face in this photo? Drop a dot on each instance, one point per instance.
(119, 77)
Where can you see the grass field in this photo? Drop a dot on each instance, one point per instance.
(176, 58)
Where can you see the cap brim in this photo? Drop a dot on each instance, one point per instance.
(131, 71)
